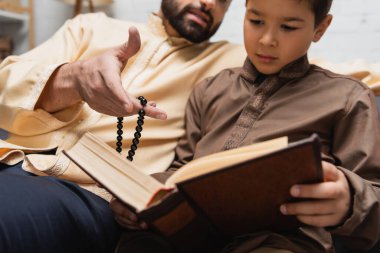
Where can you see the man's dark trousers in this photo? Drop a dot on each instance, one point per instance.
(46, 215)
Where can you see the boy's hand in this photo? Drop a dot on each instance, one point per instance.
(125, 217)
(330, 201)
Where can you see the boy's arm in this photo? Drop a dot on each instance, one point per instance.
(361, 129)
(356, 154)
(185, 149)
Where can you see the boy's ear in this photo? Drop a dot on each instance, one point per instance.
(322, 27)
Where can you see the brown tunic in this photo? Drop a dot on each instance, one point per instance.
(240, 106)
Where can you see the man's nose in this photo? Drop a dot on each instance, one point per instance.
(208, 4)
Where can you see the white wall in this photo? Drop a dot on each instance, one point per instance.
(355, 32)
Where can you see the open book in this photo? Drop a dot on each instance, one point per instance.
(229, 193)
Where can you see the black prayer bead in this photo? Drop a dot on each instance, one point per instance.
(119, 136)
(140, 122)
(142, 112)
(143, 101)
(131, 153)
(137, 135)
(138, 128)
(135, 141)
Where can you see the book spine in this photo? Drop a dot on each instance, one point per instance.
(175, 219)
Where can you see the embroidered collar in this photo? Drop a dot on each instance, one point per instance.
(156, 26)
(295, 69)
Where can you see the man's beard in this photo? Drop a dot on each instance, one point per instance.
(186, 28)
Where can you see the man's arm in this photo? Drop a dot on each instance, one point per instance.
(24, 77)
(97, 82)
(58, 93)
(26, 81)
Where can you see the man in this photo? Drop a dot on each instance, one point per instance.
(71, 84)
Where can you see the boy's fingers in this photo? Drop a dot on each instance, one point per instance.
(116, 206)
(127, 224)
(121, 210)
(330, 172)
(314, 213)
(321, 207)
(325, 190)
(329, 189)
(318, 220)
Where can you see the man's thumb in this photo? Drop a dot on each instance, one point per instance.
(131, 47)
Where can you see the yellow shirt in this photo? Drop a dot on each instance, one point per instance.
(164, 71)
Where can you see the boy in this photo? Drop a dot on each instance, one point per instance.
(276, 93)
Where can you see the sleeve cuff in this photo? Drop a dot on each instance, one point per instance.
(39, 86)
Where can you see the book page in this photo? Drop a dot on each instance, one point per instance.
(115, 173)
(224, 159)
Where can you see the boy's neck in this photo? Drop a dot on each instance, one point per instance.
(260, 79)
(293, 70)
(289, 68)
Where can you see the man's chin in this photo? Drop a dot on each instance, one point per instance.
(195, 33)
(193, 38)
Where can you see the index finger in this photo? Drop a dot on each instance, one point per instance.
(324, 190)
(150, 110)
(155, 112)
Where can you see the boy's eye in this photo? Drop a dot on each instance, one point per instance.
(256, 21)
(288, 28)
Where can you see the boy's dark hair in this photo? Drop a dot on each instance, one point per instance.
(320, 9)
